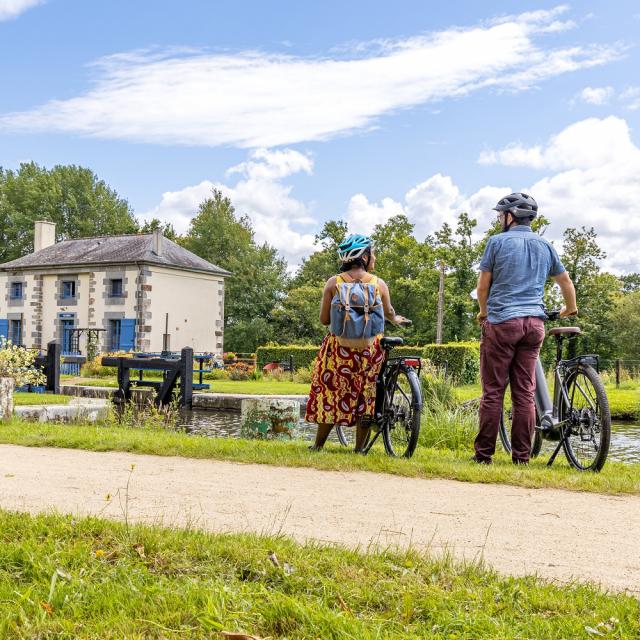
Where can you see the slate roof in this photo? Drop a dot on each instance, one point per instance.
(106, 250)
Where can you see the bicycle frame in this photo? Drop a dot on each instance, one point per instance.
(384, 386)
(548, 411)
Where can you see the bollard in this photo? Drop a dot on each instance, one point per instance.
(6, 398)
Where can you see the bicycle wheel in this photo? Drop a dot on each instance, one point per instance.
(588, 431)
(504, 430)
(401, 413)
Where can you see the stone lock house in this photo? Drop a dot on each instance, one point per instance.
(145, 293)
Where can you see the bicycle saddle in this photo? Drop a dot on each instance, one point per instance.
(568, 331)
(389, 343)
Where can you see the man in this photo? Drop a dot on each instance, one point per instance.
(513, 271)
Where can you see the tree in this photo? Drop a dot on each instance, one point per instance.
(167, 229)
(595, 291)
(459, 253)
(259, 275)
(407, 266)
(73, 197)
(323, 263)
(298, 316)
(625, 319)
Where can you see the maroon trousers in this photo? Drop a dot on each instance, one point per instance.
(508, 354)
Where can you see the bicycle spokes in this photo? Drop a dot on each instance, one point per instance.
(587, 418)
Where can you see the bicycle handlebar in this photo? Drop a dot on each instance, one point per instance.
(554, 314)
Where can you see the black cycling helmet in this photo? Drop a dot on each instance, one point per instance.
(519, 205)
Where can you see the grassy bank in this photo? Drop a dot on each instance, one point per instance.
(89, 578)
(624, 402)
(250, 387)
(428, 462)
(26, 399)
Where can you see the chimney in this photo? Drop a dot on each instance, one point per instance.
(44, 234)
(157, 242)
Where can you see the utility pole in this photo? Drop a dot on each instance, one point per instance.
(440, 305)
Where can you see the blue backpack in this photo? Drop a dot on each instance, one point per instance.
(356, 310)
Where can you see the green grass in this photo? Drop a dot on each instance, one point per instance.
(616, 477)
(88, 578)
(623, 402)
(22, 399)
(250, 387)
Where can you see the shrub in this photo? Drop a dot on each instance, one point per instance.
(214, 374)
(461, 360)
(240, 371)
(437, 389)
(303, 375)
(18, 363)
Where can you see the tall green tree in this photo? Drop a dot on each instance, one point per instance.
(625, 319)
(459, 253)
(407, 266)
(323, 263)
(259, 277)
(595, 291)
(73, 197)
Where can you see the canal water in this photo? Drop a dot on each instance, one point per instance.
(625, 436)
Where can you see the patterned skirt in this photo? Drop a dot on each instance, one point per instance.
(343, 385)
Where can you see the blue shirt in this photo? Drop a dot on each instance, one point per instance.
(520, 262)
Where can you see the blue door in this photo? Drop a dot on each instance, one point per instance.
(127, 335)
(66, 326)
(4, 329)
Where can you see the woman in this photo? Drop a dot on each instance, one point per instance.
(355, 304)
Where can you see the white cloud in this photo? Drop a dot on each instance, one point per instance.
(13, 8)
(596, 95)
(275, 214)
(631, 96)
(362, 215)
(598, 183)
(590, 143)
(428, 206)
(256, 99)
(593, 179)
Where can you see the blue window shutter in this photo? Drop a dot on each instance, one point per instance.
(4, 328)
(127, 335)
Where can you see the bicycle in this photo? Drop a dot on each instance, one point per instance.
(578, 418)
(398, 404)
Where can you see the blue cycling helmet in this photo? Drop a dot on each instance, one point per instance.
(354, 247)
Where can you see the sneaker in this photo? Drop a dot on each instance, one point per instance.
(480, 461)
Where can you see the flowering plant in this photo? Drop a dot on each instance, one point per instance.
(18, 363)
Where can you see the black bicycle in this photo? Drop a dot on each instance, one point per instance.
(398, 404)
(578, 418)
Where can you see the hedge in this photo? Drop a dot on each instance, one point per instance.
(461, 359)
(302, 356)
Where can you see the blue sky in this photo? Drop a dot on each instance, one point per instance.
(303, 112)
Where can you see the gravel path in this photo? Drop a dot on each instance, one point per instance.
(559, 535)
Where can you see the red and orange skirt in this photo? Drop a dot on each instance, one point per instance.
(343, 385)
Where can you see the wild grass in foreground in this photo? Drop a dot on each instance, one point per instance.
(87, 578)
(616, 478)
